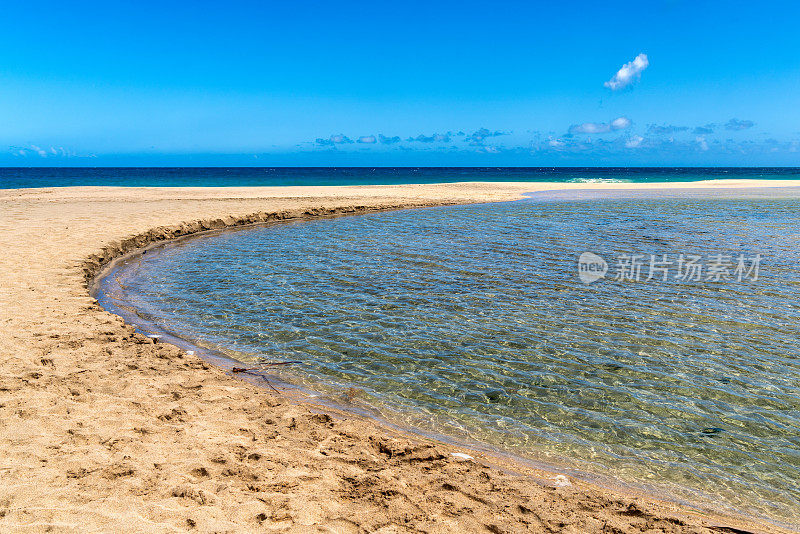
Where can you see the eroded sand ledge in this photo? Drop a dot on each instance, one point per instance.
(103, 430)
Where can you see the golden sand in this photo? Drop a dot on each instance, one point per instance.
(102, 430)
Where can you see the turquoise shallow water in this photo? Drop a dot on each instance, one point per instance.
(471, 321)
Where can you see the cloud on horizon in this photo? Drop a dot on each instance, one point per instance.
(737, 125)
(388, 140)
(667, 129)
(568, 147)
(588, 139)
(41, 152)
(628, 73)
(634, 141)
(704, 130)
(434, 138)
(478, 137)
(620, 123)
(338, 139)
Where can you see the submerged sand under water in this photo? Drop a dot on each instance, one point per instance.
(472, 321)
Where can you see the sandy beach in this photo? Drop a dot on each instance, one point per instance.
(103, 430)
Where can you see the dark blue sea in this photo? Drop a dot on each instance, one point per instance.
(19, 177)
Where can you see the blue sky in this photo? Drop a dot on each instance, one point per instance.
(444, 83)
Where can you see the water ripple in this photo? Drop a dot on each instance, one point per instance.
(471, 321)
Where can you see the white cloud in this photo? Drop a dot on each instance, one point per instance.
(701, 143)
(629, 73)
(340, 139)
(620, 123)
(634, 142)
(368, 139)
(42, 152)
(590, 128)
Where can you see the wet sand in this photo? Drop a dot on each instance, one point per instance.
(103, 430)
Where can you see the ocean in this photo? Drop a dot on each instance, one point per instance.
(11, 178)
(652, 340)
